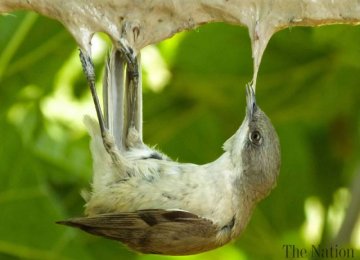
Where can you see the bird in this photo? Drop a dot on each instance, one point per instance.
(153, 204)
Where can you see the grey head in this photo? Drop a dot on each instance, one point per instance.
(255, 150)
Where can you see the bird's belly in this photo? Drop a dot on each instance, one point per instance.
(149, 194)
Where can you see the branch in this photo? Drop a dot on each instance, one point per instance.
(143, 22)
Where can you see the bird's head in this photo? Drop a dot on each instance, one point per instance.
(255, 149)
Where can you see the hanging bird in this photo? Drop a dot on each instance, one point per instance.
(156, 205)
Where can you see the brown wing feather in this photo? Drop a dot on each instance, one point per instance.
(170, 232)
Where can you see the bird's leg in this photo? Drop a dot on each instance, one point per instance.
(89, 70)
(133, 102)
(88, 67)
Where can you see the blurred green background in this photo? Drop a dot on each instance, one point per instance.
(194, 99)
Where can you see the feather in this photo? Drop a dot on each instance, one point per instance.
(153, 231)
(113, 96)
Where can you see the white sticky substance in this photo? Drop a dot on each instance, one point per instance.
(145, 22)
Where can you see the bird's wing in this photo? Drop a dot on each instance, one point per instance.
(155, 231)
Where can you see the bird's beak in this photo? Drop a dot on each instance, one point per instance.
(251, 106)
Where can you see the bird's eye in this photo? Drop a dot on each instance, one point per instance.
(255, 137)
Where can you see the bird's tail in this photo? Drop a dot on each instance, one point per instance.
(122, 98)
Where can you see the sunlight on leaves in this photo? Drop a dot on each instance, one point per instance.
(313, 226)
(169, 47)
(157, 73)
(356, 235)
(336, 211)
(62, 105)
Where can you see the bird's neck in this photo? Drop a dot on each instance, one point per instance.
(244, 197)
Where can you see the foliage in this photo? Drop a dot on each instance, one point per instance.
(307, 85)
